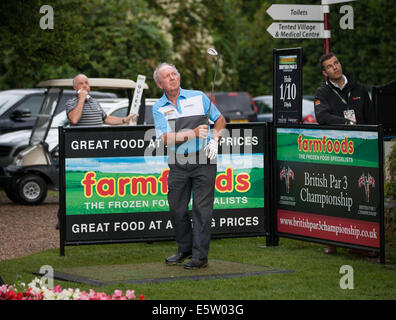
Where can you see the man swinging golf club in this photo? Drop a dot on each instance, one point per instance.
(181, 121)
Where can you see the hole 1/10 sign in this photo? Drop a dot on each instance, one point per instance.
(288, 91)
(287, 85)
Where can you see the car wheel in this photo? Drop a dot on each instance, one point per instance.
(31, 189)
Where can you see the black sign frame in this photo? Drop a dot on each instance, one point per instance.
(276, 185)
(97, 132)
(287, 85)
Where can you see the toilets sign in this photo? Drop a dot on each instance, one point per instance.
(306, 29)
(299, 12)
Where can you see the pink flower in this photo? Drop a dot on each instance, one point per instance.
(3, 289)
(57, 289)
(117, 294)
(35, 292)
(130, 294)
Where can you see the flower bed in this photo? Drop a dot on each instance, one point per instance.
(36, 290)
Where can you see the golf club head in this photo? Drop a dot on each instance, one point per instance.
(212, 52)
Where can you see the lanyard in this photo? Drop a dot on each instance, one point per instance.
(342, 99)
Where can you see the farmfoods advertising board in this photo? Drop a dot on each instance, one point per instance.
(115, 184)
(329, 185)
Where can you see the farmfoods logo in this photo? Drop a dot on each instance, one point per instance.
(226, 182)
(288, 60)
(324, 145)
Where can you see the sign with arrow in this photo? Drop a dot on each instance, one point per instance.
(300, 12)
(294, 30)
(335, 1)
(137, 96)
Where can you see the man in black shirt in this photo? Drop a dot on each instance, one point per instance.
(341, 100)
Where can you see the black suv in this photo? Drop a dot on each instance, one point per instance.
(19, 107)
(235, 106)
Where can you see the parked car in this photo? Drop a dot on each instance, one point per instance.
(235, 106)
(19, 107)
(12, 143)
(35, 168)
(264, 105)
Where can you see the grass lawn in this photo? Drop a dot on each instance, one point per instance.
(316, 275)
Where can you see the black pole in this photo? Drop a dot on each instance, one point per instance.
(381, 190)
(61, 212)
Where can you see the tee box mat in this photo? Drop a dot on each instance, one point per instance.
(152, 272)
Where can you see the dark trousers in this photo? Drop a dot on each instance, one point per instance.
(200, 180)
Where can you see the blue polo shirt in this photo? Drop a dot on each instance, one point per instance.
(191, 111)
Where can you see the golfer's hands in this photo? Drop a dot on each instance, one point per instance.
(130, 119)
(211, 149)
(83, 94)
(202, 131)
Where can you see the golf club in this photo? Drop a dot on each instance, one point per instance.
(212, 52)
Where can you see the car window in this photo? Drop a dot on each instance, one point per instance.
(7, 100)
(122, 112)
(263, 106)
(32, 103)
(233, 102)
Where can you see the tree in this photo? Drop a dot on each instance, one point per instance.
(121, 40)
(367, 51)
(130, 37)
(26, 49)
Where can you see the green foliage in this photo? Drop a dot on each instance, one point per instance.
(366, 52)
(390, 195)
(121, 40)
(130, 37)
(26, 50)
(390, 169)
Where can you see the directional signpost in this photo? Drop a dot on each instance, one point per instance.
(302, 30)
(293, 30)
(298, 30)
(296, 12)
(335, 1)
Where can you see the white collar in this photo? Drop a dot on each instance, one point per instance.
(345, 83)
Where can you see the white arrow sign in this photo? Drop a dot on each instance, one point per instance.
(335, 1)
(137, 96)
(294, 30)
(296, 12)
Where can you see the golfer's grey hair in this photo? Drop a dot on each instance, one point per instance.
(80, 74)
(162, 65)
